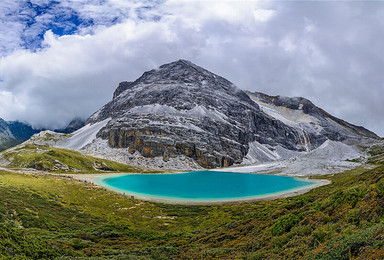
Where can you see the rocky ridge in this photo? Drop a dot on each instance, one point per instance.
(333, 128)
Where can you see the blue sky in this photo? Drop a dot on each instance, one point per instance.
(30, 19)
(62, 59)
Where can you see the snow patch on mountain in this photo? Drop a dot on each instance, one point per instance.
(291, 117)
(83, 136)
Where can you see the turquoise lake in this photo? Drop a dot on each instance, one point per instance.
(204, 185)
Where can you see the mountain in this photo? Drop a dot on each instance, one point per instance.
(13, 133)
(6, 137)
(182, 112)
(74, 125)
(183, 109)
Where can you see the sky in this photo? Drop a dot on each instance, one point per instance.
(64, 59)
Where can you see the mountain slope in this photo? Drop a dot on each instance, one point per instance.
(13, 133)
(331, 127)
(6, 137)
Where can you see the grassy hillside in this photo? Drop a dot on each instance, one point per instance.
(339, 221)
(51, 159)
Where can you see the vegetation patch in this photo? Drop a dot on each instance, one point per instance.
(45, 158)
(285, 224)
(46, 216)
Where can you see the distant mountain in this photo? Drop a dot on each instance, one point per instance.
(183, 112)
(74, 125)
(6, 137)
(13, 133)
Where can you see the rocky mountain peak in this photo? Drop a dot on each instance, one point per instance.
(182, 71)
(187, 74)
(181, 85)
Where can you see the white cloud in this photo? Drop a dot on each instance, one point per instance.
(319, 50)
(263, 15)
(288, 44)
(9, 103)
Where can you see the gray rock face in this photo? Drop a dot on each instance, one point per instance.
(183, 109)
(122, 86)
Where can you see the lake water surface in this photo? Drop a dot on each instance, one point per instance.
(204, 185)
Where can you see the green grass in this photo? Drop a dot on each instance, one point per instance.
(46, 216)
(62, 160)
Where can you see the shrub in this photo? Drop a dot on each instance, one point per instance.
(351, 196)
(285, 223)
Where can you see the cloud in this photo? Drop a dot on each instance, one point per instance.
(26, 21)
(75, 74)
(329, 52)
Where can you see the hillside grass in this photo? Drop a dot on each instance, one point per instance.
(51, 159)
(46, 216)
